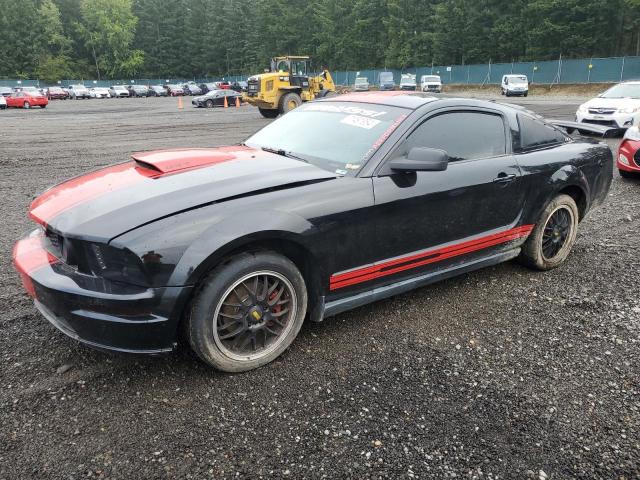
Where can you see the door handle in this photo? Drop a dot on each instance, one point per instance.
(505, 178)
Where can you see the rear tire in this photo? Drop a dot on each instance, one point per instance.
(26, 105)
(209, 104)
(268, 113)
(43, 106)
(551, 240)
(238, 321)
(289, 101)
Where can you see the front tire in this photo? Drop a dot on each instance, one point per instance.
(209, 103)
(268, 113)
(289, 101)
(551, 240)
(247, 311)
(26, 105)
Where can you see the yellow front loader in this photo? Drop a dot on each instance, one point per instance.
(286, 86)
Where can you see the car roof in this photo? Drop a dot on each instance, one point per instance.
(415, 100)
(392, 98)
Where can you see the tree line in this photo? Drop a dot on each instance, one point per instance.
(61, 39)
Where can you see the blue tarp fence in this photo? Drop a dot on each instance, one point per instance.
(584, 70)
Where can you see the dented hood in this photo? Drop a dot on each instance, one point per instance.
(108, 202)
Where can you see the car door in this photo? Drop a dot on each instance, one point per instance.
(464, 211)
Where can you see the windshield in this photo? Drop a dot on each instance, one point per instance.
(517, 80)
(336, 136)
(623, 90)
(386, 77)
(407, 78)
(361, 80)
(430, 78)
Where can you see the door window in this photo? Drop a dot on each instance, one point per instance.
(463, 135)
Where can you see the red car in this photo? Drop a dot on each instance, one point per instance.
(27, 100)
(57, 93)
(629, 154)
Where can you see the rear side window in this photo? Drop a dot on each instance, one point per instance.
(463, 135)
(535, 133)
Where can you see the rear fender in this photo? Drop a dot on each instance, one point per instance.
(564, 177)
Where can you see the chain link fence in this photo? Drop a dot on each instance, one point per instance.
(560, 71)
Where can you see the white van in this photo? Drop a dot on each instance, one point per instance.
(407, 81)
(515, 85)
(431, 83)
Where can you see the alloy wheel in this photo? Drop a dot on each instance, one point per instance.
(254, 315)
(556, 232)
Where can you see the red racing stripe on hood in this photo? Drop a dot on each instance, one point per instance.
(84, 188)
(147, 165)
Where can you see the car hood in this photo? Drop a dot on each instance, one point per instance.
(106, 203)
(612, 103)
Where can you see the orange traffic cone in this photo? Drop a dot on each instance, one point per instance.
(179, 103)
(237, 102)
(226, 104)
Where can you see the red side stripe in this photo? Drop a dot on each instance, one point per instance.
(426, 257)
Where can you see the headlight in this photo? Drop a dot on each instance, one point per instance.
(118, 265)
(628, 110)
(583, 109)
(632, 133)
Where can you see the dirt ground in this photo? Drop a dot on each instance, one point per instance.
(576, 90)
(502, 373)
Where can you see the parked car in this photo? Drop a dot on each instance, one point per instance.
(174, 90)
(408, 81)
(207, 87)
(514, 85)
(618, 107)
(78, 91)
(401, 191)
(224, 85)
(57, 93)
(99, 92)
(138, 90)
(628, 162)
(191, 89)
(3, 102)
(28, 88)
(361, 84)
(215, 98)
(27, 99)
(118, 91)
(240, 86)
(5, 91)
(157, 91)
(385, 81)
(431, 83)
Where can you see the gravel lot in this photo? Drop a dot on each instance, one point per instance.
(502, 373)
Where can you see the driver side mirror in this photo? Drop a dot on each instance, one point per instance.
(421, 159)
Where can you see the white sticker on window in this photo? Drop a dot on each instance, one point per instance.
(361, 122)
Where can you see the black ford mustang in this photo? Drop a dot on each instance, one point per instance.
(341, 202)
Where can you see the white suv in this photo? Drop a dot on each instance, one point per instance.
(618, 107)
(515, 85)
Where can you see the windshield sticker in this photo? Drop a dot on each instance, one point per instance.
(383, 137)
(360, 122)
(341, 172)
(352, 166)
(319, 107)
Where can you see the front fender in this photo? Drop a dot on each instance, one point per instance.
(230, 233)
(178, 250)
